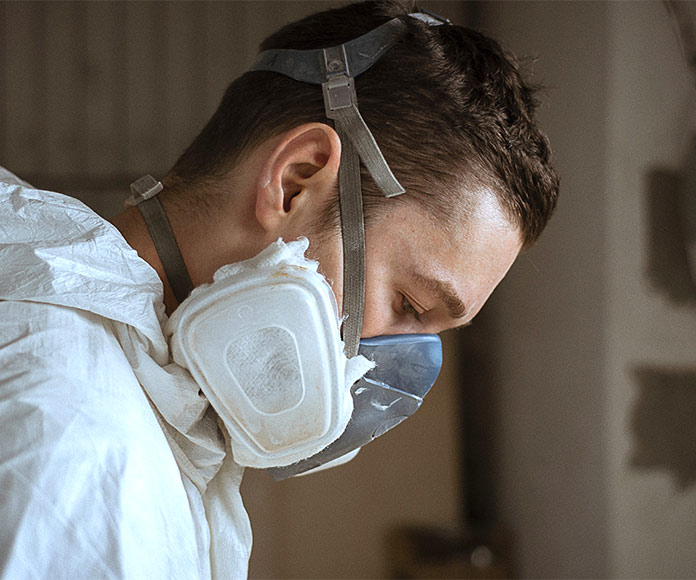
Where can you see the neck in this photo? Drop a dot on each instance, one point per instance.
(132, 226)
(206, 242)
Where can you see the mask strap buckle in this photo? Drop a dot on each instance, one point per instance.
(430, 18)
(143, 189)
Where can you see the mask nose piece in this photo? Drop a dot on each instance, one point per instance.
(406, 367)
(408, 362)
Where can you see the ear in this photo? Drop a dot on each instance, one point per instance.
(298, 176)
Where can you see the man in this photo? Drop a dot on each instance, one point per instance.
(120, 455)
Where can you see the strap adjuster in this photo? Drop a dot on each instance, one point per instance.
(143, 189)
(339, 93)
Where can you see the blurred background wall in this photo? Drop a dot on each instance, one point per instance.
(558, 435)
(588, 491)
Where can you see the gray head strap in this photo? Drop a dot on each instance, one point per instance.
(310, 66)
(334, 69)
(144, 195)
(430, 18)
(357, 142)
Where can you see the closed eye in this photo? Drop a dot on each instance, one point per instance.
(409, 309)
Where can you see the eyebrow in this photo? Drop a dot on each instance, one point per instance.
(445, 293)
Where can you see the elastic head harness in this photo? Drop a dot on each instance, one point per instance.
(334, 69)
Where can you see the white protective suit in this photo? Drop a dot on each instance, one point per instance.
(111, 462)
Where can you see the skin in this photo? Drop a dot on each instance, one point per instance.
(419, 277)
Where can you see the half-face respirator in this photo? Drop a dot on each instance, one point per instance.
(264, 341)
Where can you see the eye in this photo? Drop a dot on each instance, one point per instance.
(408, 308)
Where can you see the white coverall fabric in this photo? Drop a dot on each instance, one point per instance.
(89, 484)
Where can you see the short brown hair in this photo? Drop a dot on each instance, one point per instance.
(447, 106)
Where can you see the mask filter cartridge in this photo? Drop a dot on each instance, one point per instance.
(263, 343)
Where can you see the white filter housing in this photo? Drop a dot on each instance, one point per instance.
(263, 343)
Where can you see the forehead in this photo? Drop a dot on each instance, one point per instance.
(467, 260)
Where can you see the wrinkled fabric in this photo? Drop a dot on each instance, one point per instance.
(93, 412)
(7, 177)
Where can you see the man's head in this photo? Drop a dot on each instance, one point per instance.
(455, 122)
(447, 107)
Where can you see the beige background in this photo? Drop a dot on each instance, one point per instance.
(578, 315)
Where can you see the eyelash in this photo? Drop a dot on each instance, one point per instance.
(408, 308)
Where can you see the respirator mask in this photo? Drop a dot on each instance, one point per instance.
(295, 389)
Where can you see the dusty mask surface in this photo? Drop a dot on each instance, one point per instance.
(263, 343)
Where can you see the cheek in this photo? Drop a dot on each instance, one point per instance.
(328, 252)
(378, 307)
(379, 313)
(383, 309)
(372, 322)
(375, 321)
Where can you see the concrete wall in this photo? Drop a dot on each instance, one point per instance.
(95, 93)
(578, 315)
(652, 104)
